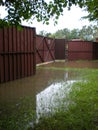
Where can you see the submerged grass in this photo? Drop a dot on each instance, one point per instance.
(82, 111)
(69, 69)
(18, 115)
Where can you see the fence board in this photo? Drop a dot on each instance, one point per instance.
(33, 48)
(14, 50)
(18, 55)
(25, 48)
(1, 57)
(10, 56)
(6, 58)
(22, 56)
(28, 48)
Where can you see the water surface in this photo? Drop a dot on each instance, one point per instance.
(21, 99)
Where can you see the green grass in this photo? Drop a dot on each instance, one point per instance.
(82, 112)
(67, 68)
(16, 116)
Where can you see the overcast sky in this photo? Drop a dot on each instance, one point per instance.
(71, 19)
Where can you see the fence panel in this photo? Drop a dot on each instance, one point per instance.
(80, 50)
(80, 56)
(17, 53)
(60, 48)
(80, 46)
(45, 49)
(49, 45)
(39, 49)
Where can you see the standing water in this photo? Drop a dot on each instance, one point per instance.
(24, 99)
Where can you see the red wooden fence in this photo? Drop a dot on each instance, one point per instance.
(17, 53)
(20, 51)
(95, 50)
(60, 48)
(45, 49)
(82, 50)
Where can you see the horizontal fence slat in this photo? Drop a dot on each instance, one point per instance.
(11, 53)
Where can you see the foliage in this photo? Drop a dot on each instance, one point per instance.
(19, 10)
(92, 7)
(44, 33)
(66, 34)
(87, 33)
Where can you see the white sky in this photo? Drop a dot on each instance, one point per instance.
(70, 19)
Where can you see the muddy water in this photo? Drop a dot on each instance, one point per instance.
(75, 64)
(19, 98)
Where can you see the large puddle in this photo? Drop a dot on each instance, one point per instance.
(53, 97)
(42, 93)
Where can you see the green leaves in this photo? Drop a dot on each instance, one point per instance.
(87, 33)
(92, 8)
(26, 9)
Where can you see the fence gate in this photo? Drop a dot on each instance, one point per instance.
(60, 48)
(45, 48)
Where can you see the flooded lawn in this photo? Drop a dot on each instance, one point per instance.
(24, 100)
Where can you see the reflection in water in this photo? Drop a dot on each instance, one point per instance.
(66, 76)
(19, 98)
(51, 98)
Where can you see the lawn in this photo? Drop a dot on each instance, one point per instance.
(77, 110)
(82, 111)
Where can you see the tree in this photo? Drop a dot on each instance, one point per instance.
(67, 34)
(75, 34)
(19, 10)
(87, 33)
(63, 33)
(44, 33)
(92, 7)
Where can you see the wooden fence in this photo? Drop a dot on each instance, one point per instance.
(45, 49)
(20, 51)
(17, 53)
(95, 50)
(82, 50)
(60, 49)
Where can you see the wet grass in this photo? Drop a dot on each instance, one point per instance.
(82, 111)
(17, 115)
(80, 114)
(67, 68)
